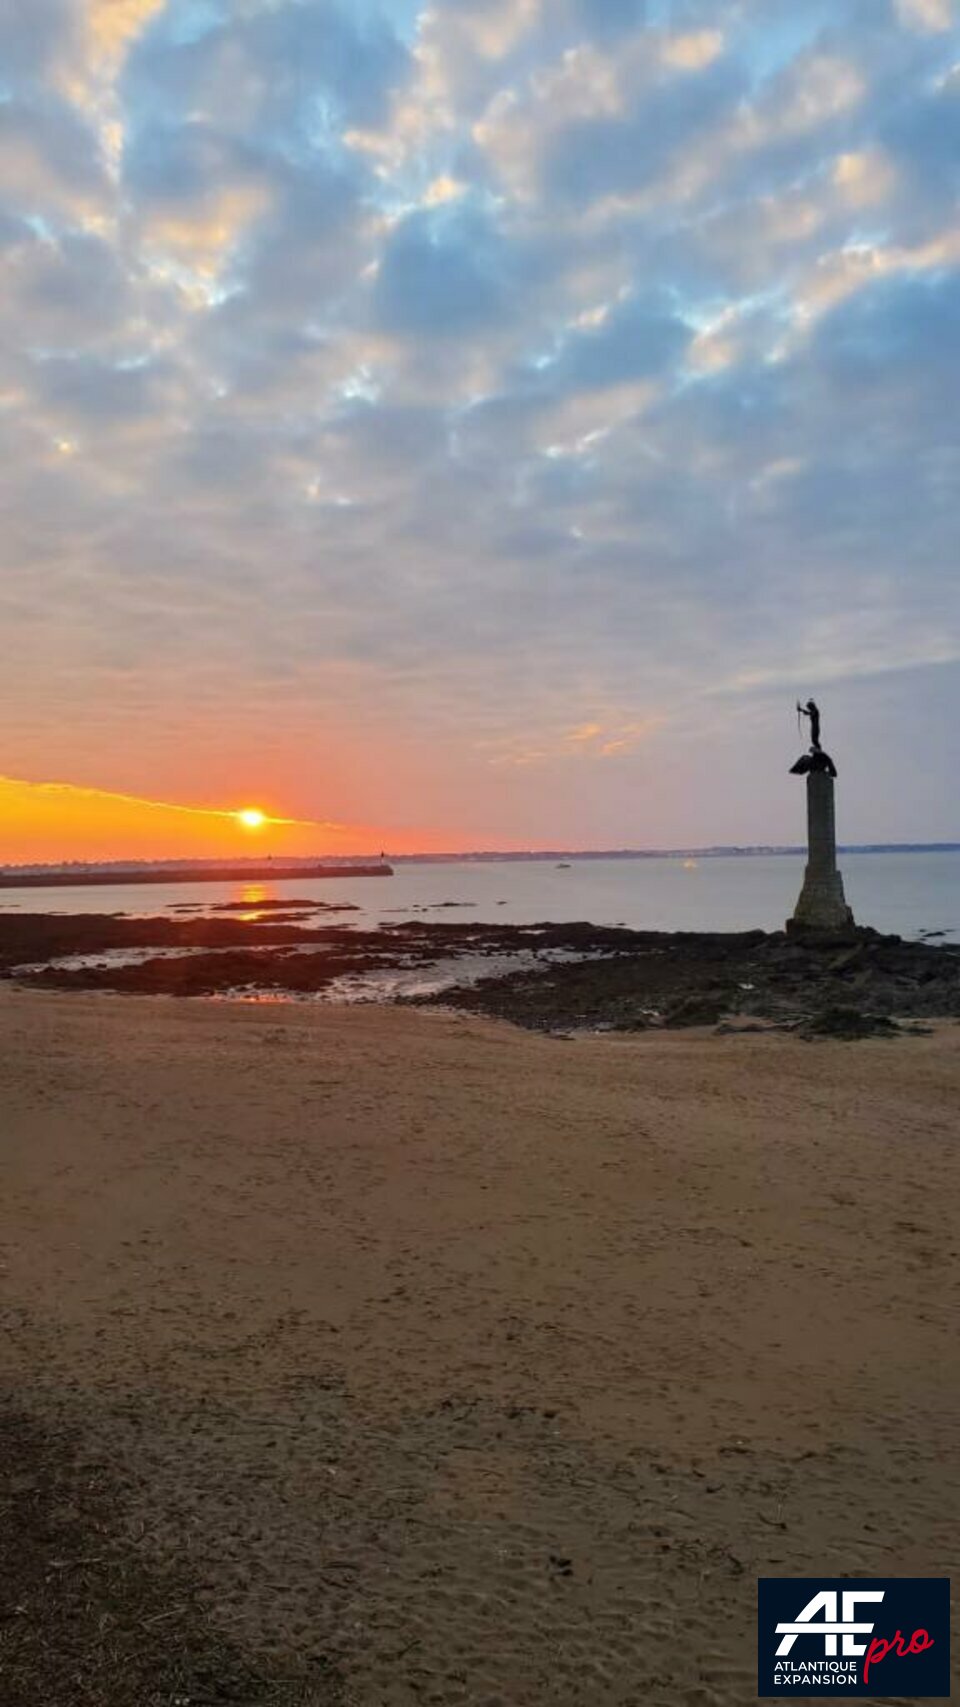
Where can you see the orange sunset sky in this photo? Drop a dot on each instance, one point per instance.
(51, 822)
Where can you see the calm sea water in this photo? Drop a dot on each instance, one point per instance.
(909, 893)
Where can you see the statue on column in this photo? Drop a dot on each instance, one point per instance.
(815, 759)
(822, 905)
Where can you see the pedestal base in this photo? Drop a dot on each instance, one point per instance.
(822, 905)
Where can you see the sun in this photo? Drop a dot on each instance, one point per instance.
(251, 818)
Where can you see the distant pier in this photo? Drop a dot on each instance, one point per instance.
(207, 874)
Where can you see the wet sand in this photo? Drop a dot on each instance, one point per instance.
(389, 1357)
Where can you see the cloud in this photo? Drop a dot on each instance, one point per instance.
(933, 16)
(588, 742)
(598, 123)
(440, 274)
(617, 16)
(84, 388)
(33, 37)
(902, 332)
(51, 162)
(292, 73)
(114, 24)
(639, 336)
(505, 388)
(70, 290)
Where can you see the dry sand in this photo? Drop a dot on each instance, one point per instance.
(436, 1362)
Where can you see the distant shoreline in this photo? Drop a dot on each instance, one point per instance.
(719, 852)
(360, 865)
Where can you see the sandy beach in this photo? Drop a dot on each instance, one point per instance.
(407, 1357)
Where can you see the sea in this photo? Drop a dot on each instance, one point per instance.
(914, 894)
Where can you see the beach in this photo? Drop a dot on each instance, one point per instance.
(392, 1356)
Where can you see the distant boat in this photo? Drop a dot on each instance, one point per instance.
(563, 865)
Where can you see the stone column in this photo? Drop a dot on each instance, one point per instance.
(822, 905)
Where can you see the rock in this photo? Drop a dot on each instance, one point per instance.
(697, 1010)
(848, 1024)
(849, 957)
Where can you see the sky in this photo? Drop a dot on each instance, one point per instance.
(475, 425)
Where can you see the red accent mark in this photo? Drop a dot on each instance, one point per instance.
(878, 1650)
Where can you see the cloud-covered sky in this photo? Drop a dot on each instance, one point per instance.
(481, 421)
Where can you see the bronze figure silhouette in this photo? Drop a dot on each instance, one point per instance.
(816, 759)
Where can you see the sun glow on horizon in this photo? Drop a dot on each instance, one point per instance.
(61, 822)
(251, 817)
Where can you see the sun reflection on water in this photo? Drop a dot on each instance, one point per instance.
(252, 896)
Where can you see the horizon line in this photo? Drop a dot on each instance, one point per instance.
(296, 863)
